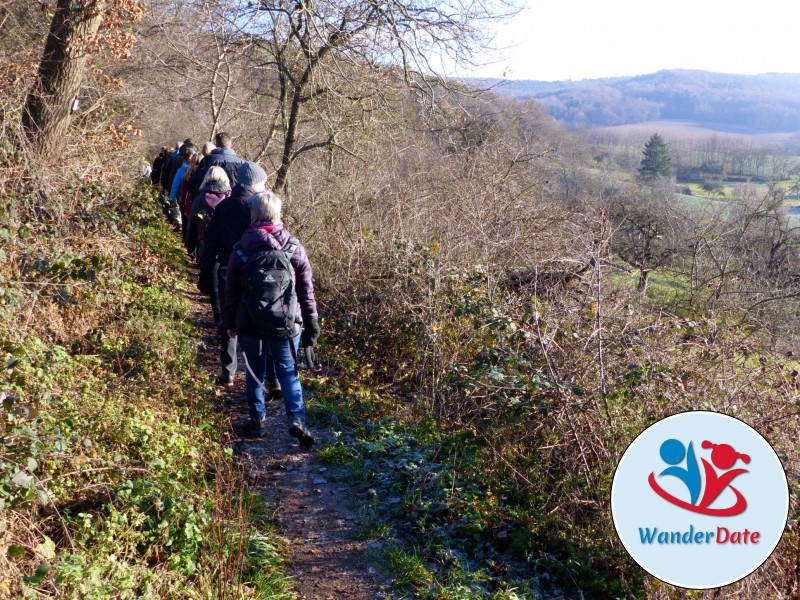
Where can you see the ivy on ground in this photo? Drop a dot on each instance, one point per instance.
(116, 479)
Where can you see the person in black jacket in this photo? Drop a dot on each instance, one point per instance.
(231, 219)
(158, 163)
(222, 156)
(173, 164)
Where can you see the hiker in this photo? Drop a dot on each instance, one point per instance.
(167, 166)
(172, 166)
(216, 187)
(187, 198)
(158, 164)
(214, 190)
(164, 196)
(231, 220)
(207, 148)
(270, 268)
(221, 156)
(184, 198)
(187, 154)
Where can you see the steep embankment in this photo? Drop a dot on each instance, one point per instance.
(116, 474)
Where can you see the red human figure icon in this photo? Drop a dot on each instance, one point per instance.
(724, 457)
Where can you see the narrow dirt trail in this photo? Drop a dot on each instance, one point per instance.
(327, 562)
(325, 559)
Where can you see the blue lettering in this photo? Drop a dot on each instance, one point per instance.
(687, 537)
(691, 536)
(647, 538)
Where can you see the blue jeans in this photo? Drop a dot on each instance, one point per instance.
(260, 352)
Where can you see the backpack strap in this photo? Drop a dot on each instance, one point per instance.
(238, 249)
(290, 247)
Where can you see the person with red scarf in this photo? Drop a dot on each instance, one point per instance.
(267, 233)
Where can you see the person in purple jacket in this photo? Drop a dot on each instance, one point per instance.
(267, 233)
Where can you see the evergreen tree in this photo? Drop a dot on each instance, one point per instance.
(656, 161)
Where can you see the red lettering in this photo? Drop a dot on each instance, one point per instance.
(736, 537)
(720, 539)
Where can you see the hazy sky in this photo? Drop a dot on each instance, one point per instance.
(576, 39)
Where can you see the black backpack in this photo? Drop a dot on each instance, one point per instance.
(203, 218)
(270, 294)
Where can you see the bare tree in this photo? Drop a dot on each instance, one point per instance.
(646, 227)
(321, 51)
(199, 58)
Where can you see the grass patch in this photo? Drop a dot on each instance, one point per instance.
(447, 522)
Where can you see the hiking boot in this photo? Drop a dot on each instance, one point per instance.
(300, 431)
(257, 428)
(225, 379)
(276, 394)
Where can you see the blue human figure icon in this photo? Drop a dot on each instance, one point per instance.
(672, 452)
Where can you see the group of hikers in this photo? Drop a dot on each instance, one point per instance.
(258, 276)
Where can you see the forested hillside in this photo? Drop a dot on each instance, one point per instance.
(504, 307)
(736, 103)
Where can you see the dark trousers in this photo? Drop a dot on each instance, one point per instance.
(227, 351)
(227, 354)
(216, 304)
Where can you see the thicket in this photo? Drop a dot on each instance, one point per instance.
(116, 477)
(497, 355)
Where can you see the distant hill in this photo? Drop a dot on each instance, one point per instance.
(736, 103)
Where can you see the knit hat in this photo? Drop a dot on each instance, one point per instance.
(250, 173)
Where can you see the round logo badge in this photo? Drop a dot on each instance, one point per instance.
(700, 500)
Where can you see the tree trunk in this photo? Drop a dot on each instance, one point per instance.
(49, 103)
(289, 142)
(643, 275)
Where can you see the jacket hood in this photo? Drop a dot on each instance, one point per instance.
(216, 187)
(212, 200)
(242, 191)
(223, 150)
(259, 240)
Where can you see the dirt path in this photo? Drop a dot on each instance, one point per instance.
(326, 560)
